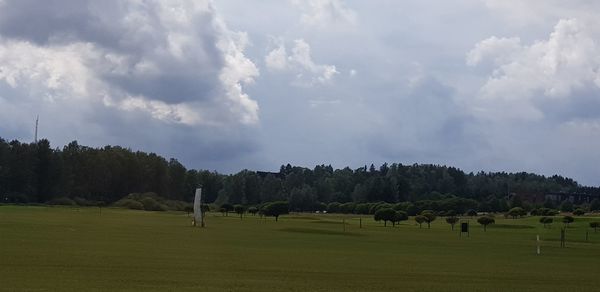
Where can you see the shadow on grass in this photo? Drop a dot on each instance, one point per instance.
(330, 222)
(318, 231)
(510, 226)
(303, 218)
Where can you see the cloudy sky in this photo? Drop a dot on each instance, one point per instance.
(494, 85)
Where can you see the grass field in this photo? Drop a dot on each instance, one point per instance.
(71, 249)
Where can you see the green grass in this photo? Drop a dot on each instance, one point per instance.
(76, 249)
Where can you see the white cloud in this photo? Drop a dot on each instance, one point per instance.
(567, 61)
(176, 61)
(300, 62)
(500, 50)
(323, 13)
(519, 12)
(277, 58)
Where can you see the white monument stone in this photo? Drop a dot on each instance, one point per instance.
(198, 208)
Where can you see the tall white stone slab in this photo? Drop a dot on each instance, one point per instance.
(198, 207)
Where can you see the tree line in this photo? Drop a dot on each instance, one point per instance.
(38, 173)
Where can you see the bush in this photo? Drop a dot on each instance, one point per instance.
(471, 213)
(175, 205)
(429, 217)
(543, 212)
(85, 202)
(568, 220)
(378, 206)
(578, 212)
(485, 221)
(63, 201)
(546, 221)
(239, 209)
(452, 220)
(400, 216)
(420, 220)
(129, 204)
(517, 212)
(333, 207)
(319, 206)
(347, 208)
(151, 204)
(276, 209)
(253, 210)
(385, 215)
(362, 209)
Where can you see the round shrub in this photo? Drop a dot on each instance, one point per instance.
(151, 204)
(579, 212)
(129, 204)
(362, 209)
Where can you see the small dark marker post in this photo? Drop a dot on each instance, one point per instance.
(464, 228)
(344, 223)
(562, 237)
(360, 222)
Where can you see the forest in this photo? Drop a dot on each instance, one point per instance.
(38, 173)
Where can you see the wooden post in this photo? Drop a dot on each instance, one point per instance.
(360, 222)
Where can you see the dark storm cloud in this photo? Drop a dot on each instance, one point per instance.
(136, 33)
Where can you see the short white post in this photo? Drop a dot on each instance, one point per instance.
(538, 245)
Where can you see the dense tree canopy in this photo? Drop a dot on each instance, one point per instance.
(38, 173)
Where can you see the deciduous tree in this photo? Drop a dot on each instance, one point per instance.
(485, 221)
(452, 221)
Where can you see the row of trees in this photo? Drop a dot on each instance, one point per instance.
(427, 216)
(36, 172)
(273, 209)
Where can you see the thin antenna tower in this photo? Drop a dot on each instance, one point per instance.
(37, 118)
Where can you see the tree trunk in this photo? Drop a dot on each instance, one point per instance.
(452, 227)
(276, 217)
(484, 228)
(384, 223)
(428, 225)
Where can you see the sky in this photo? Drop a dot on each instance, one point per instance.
(226, 85)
